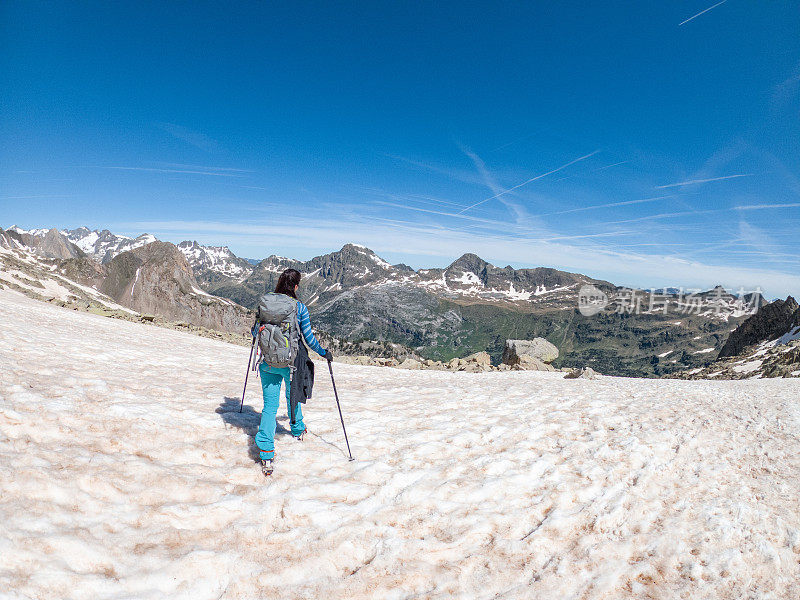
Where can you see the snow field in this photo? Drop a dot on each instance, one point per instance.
(126, 471)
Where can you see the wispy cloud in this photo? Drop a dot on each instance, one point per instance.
(758, 239)
(190, 136)
(454, 174)
(521, 214)
(531, 180)
(702, 12)
(786, 90)
(486, 176)
(697, 181)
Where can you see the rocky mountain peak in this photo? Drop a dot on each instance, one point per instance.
(49, 243)
(468, 263)
(141, 277)
(361, 254)
(105, 234)
(214, 264)
(717, 291)
(195, 247)
(80, 231)
(772, 321)
(54, 244)
(352, 265)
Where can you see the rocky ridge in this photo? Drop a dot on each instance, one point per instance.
(766, 345)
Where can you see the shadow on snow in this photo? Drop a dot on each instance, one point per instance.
(248, 421)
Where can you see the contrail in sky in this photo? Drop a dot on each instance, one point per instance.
(767, 206)
(701, 13)
(611, 205)
(572, 162)
(693, 181)
(188, 171)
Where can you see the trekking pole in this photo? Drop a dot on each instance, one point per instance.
(330, 368)
(247, 373)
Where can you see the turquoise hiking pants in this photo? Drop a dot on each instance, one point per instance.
(271, 378)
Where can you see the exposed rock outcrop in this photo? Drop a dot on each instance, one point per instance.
(583, 373)
(531, 355)
(480, 358)
(480, 362)
(411, 364)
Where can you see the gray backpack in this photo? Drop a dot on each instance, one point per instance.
(278, 329)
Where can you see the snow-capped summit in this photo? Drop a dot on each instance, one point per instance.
(104, 245)
(210, 262)
(472, 277)
(34, 232)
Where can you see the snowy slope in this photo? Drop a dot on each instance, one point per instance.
(124, 473)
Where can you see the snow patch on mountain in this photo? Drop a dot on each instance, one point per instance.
(748, 366)
(787, 337)
(88, 242)
(467, 278)
(135, 279)
(513, 294)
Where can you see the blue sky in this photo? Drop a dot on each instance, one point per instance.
(628, 141)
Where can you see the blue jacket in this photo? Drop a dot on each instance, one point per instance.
(305, 326)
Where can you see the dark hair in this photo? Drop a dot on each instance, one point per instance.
(288, 280)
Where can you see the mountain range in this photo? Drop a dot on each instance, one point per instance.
(439, 313)
(141, 275)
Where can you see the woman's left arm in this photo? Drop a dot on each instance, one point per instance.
(304, 320)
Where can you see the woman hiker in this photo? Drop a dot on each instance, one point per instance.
(271, 378)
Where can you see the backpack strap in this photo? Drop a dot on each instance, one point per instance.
(296, 325)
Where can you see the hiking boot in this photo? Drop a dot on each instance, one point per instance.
(300, 437)
(266, 467)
